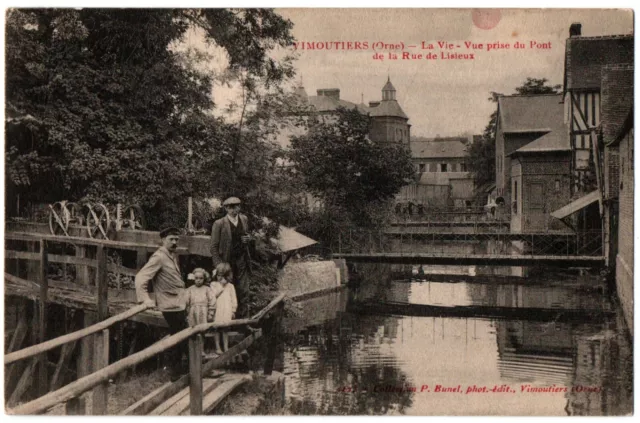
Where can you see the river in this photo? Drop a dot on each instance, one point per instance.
(561, 348)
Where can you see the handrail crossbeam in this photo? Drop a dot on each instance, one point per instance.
(73, 336)
(92, 380)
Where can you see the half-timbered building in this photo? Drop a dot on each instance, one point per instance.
(585, 58)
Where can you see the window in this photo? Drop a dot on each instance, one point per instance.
(454, 167)
(557, 185)
(515, 197)
(421, 168)
(443, 167)
(463, 167)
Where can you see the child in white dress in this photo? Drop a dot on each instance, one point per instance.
(226, 303)
(201, 301)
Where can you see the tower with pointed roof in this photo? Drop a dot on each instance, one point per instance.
(389, 122)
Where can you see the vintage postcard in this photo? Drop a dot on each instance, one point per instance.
(319, 212)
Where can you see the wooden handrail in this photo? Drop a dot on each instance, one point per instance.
(73, 336)
(88, 382)
(28, 236)
(57, 258)
(269, 306)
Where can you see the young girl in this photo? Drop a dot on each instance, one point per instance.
(226, 302)
(201, 302)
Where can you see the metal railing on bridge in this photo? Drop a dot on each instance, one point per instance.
(408, 214)
(352, 241)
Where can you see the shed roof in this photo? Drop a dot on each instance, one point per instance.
(554, 141)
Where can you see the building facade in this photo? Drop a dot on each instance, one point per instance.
(442, 176)
(532, 160)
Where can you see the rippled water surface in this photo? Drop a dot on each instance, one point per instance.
(535, 347)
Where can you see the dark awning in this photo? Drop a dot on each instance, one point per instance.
(576, 205)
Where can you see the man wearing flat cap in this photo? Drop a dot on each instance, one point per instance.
(163, 271)
(229, 244)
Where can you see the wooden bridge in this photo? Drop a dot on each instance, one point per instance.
(195, 393)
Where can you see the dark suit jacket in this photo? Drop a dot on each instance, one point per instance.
(221, 238)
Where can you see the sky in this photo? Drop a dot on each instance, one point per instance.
(441, 97)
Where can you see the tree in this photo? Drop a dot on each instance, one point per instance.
(101, 106)
(349, 173)
(482, 154)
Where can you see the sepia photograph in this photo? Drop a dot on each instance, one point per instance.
(318, 211)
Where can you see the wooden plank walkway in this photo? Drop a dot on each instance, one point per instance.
(474, 259)
(479, 311)
(214, 390)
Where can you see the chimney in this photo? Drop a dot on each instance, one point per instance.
(575, 30)
(374, 103)
(329, 92)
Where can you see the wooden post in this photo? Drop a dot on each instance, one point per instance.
(102, 284)
(82, 272)
(195, 375)
(77, 406)
(190, 214)
(43, 379)
(118, 217)
(101, 360)
(273, 336)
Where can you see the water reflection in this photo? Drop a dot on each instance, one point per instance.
(338, 362)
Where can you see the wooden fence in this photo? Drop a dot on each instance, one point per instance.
(36, 355)
(98, 380)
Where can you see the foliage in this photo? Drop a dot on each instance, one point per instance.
(350, 174)
(482, 154)
(102, 107)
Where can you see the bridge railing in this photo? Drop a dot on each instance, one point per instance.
(404, 213)
(587, 243)
(196, 368)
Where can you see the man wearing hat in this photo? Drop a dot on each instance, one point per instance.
(229, 243)
(163, 271)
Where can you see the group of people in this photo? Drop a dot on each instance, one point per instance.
(200, 303)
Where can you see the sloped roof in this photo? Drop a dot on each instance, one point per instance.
(617, 99)
(450, 147)
(388, 86)
(302, 94)
(329, 104)
(585, 56)
(551, 141)
(531, 113)
(388, 108)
